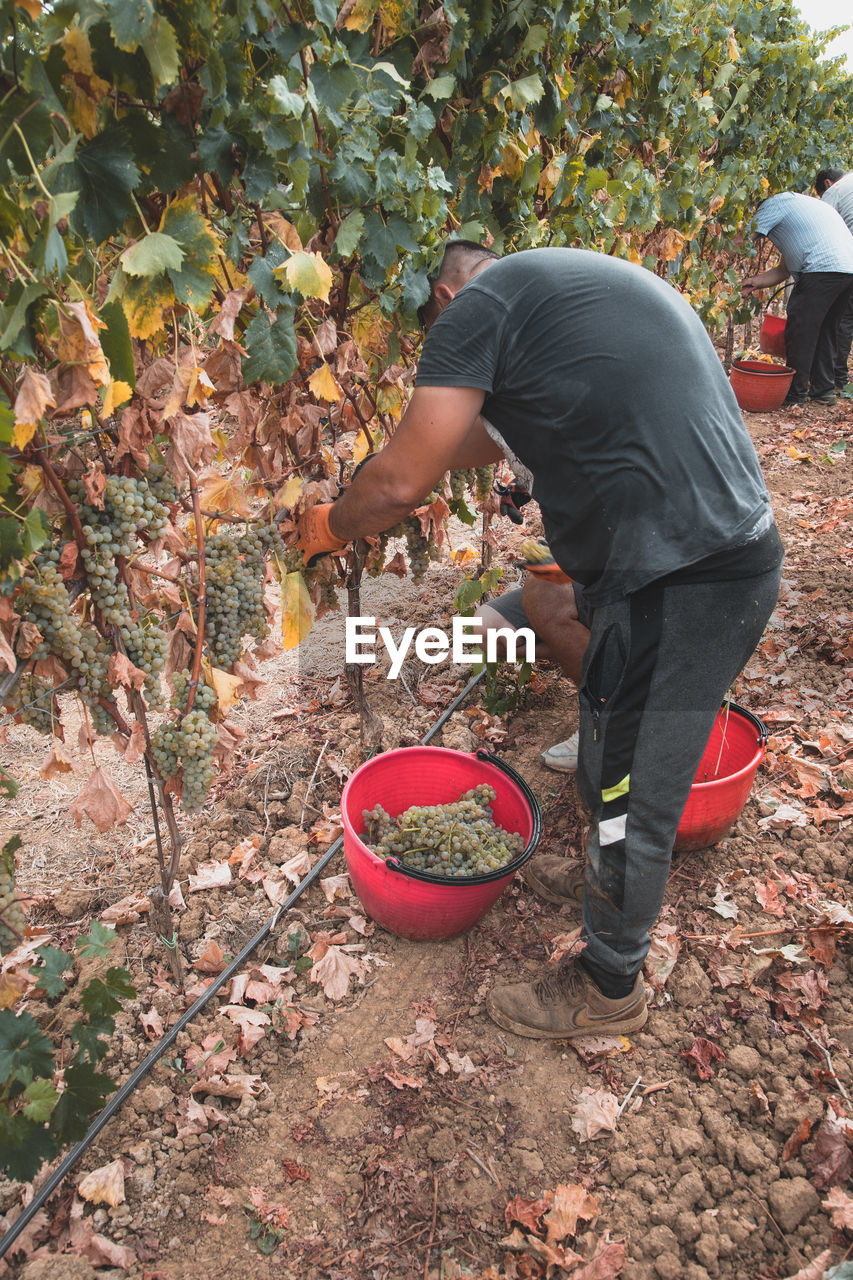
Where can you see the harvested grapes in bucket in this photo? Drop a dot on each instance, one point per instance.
(454, 840)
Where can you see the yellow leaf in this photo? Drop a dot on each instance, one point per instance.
(360, 448)
(10, 992)
(30, 481)
(32, 8)
(31, 404)
(289, 494)
(297, 611)
(145, 301)
(222, 493)
(793, 452)
(308, 273)
(77, 51)
(117, 393)
(278, 226)
(463, 554)
(360, 15)
(225, 686)
(732, 48)
(371, 331)
(671, 245)
(324, 385)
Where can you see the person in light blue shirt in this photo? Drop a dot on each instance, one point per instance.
(835, 188)
(816, 248)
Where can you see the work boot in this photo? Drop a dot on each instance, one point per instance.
(554, 878)
(563, 756)
(565, 1005)
(825, 397)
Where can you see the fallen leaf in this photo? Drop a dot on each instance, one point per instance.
(596, 1112)
(334, 971)
(527, 1212)
(212, 959)
(702, 1053)
(152, 1024)
(231, 1086)
(570, 1204)
(252, 1024)
(127, 910)
(101, 801)
(832, 1163)
(815, 1270)
(335, 886)
(104, 1185)
(840, 1205)
(211, 875)
(56, 761)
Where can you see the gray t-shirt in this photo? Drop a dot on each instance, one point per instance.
(603, 381)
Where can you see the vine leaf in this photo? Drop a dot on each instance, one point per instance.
(24, 1051)
(102, 802)
(84, 1093)
(297, 611)
(104, 1185)
(152, 255)
(308, 273)
(324, 385)
(31, 404)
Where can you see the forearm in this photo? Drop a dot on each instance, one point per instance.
(767, 279)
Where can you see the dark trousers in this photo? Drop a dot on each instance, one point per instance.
(657, 668)
(815, 310)
(845, 342)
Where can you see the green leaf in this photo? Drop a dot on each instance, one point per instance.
(462, 511)
(349, 234)
(441, 88)
(290, 103)
(49, 974)
(24, 1146)
(194, 282)
(130, 21)
(89, 1041)
(104, 173)
(41, 1099)
(24, 1051)
(97, 943)
(303, 963)
(97, 1001)
(117, 982)
(116, 343)
(271, 348)
(525, 92)
(84, 1093)
(152, 255)
(35, 531)
(160, 45)
(16, 314)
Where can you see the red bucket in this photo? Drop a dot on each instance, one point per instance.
(771, 338)
(760, 387)
(420, 905)
(723, 780)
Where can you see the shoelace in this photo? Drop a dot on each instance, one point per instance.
(551, 987)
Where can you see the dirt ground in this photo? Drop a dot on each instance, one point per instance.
(391, 1130)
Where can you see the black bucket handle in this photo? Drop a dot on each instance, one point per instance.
(486, 877)
(757, 724)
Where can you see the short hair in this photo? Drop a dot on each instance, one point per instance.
(825, 177)
(456, 254)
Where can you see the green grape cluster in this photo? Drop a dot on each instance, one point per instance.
(458, 485)
(44, 601)
(235, 572)
(32, 701)
(161, 483)
(417, 545)
(376, 559)
(12, 919)
(147, 647)
(484, 479)
(329, 595)
(456, 839)
(187, 744)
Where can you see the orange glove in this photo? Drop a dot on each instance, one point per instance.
(315, 536)
(548, 570)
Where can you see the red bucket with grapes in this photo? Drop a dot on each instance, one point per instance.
(419, 902)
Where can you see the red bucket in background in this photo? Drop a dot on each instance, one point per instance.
(420, 905)
(760, 387)
(723, 780)
(771, 338)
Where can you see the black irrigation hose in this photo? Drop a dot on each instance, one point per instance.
(169, 1038)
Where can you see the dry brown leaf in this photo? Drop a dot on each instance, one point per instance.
(252, 1024)
(191, 445)
(101, 801)
(127, 910)
(104, 1185)
(815, 1270)
(231, 1085)
(100, 1251)
(211, 875)
(840, 1205)
(223, 325)
(31, 404)
(56, 761)
(152, 1024)
(596, 1112)
(212, 959)
(121, 671)
(570, 1204)
(196, 1117)
(334, 971)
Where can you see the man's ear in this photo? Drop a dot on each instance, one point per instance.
(443, 293)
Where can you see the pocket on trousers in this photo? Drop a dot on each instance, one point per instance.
(605, 669)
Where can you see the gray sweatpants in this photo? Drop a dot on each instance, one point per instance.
(658, 665)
